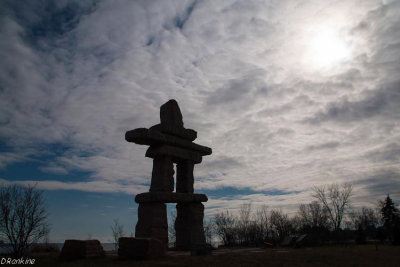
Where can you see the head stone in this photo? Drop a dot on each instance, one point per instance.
(170, 114)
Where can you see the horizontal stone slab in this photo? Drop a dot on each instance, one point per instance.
(144, 136)
(184, 133)
(176, 153)
(170, 197)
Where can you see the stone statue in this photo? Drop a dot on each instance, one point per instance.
(171, 143)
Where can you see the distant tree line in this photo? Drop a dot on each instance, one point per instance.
(326, 219)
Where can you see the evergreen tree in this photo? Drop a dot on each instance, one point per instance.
(390, 219)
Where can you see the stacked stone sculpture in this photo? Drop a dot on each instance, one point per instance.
(170, 143)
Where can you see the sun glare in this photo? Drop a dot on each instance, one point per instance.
(326, 50)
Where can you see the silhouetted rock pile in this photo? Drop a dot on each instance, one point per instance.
(170, 143)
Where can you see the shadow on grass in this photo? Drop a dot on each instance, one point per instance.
(366, 255)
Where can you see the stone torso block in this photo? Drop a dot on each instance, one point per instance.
(162, 177)
(184, 177)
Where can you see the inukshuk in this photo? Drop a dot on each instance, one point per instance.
(171, 143)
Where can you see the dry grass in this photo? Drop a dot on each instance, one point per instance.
(322, 256)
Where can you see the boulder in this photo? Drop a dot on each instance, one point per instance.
(80, 249)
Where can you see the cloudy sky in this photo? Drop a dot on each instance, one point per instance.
(288, 94)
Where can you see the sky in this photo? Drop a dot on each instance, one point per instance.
(288, 94)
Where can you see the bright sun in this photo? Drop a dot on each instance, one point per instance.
(326, 50)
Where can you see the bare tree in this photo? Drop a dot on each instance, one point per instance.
(364, 218)
(225, 227)
(262, 224)
(335, 198)
(365, 222)
(23, 217)
(208, 230)
(280, 223)
(117, 230)
(243, 223)
(312, 217)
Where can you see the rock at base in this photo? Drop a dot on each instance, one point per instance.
(140, 248)
(80, 249)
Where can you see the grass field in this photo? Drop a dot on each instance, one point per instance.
(366, 255)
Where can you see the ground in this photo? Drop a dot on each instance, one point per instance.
(367, 255)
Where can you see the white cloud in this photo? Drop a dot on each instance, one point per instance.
(94, 186)
(7, 158)
(237, 70)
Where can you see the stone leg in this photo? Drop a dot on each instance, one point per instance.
(152, 221)
(189, 225)
(162, 179)
(184, 177)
